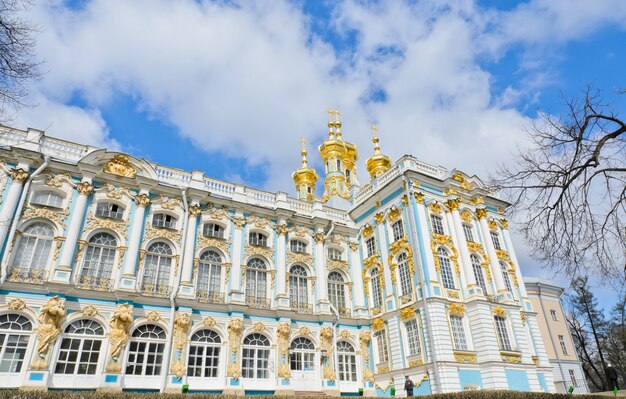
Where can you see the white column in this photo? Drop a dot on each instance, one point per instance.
(466, 262)
(481, 215)
(85, 188)
(424, 233)
(236, 290)
(282, 300)
(190, 244)
(18, 177)
(358, 292)
(130, 261)
(320, 262)
(509, 245)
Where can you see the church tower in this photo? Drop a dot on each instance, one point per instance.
(305, 178)
(339, 158)
(378, 163)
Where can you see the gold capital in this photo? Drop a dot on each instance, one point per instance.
(194, 210)
(142, 200)
(19, 175)
(481, 213)
(84, 188)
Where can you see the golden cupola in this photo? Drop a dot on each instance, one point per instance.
(339, 158)
(378, 163)
(305, 178)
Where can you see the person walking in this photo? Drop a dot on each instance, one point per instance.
(408, 387)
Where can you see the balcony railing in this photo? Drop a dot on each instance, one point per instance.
(205, 296)
(161, 291)
(95, 283)
(30, 276)
(302, 307)
(257, 302)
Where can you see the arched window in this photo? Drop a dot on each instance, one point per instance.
(478, 273)
(33, 252)
(256, 282)
(377, 295)
(98, 262)
(209, 278)
(255, 356)
(298, 288)
(506, 277)
(337, 292)
(398, 230)
(164, 220)
(156, 275)
(446, 269)
(47, 198)
(302, 357)
(80, 348)
(406, 285)
(145, 352)
(15, 331)
(346, 359)
(204, 354)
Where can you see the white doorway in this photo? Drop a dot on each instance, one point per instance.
(302, 361)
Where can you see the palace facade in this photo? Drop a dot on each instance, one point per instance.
(122, 274)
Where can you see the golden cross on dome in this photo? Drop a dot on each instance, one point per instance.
(374, 129)
(303, 152)
(303, 141)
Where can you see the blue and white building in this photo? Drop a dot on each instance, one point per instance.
(122, 274)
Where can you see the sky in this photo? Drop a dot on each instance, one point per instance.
(230, 87)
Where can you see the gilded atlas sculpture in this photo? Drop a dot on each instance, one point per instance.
(326, 339)
(182, 321)
(120, 321)
(48, 331)
(284, 333)
(235, 326)
(364, 339)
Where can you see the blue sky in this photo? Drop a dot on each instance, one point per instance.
(230, 87)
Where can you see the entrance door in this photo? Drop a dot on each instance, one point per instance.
(303, 365)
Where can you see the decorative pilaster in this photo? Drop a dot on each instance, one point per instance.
(236, 290)
(453, 207)
(186, 283)
(61, 274)
(509, 245)
(358, 297)
(178, 366)
(130, 264)
(430, 273)
(282, 299)
(233, 370)
(320, 262)
(384, 253)
(119, 323)
(18, 176)
(283, 334)
(481, 215)
(328, 370)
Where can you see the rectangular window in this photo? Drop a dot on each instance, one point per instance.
(381, 345)
(458, 333)
(334, 254)
(495, 238)
(562, 342)
(258, 239)
(297, 246)
(398, 230)
(437, 224)
(469, 236)
(503, 334)
(47, 198)
(109, 210)
(412, 335)
(370, 244)
(163, 220)
(572, 377)
(213, 230)
(553, 314)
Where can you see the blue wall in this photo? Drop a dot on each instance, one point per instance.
(542, 381)
(470, 377)
(517, 379)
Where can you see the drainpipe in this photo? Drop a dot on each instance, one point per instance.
(170, 341)
(336, 364)
(427, 319)
(20, 206)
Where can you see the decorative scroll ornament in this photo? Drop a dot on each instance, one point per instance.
(465, 357)
(283, 334)
(250, 250)
(354, 246)
(456, 309)
(19, 175)
(407, 313)
(522, 316)
(364, 339)
(338, 264)
(394, 214)
(378, 324)
(282, 229)
(116, 192)
(453, 204)
(511, 357)
(498, 311)
(48, 331)
(434, 207)
(104, 223)
(299, 231)
(441, 239)
(479, 199)
(142, 200)
(319, 236)
(120, 321)
(449, 191)
(209, 321)
(195, 210)
(504, 223)
(293, 257)
(178, 368)
(466, 216)
(45, 213)
(326, 341)
(493, 226)
(367, 231)
(16, 304)
(257, 221)
(90, 311)
(345, 334)
(239, 221)
(153, 315)
(152, 232)
(379, 217)
(419, 197)
(120, 166)
(304, 330)
(234, 371)
(258, 327)
(170, 203)
(235, 326)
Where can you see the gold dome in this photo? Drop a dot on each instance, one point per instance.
(335, 146)
(305, 178)
(378, 163)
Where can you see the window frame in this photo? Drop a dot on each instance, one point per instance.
(216, 231)
(502, 333)
(152, 346)
(50, 193)
(445, 266)
(109, 213)
(83, 339)
(458, 333)
(468, 232)
(370, 246)
(164, 220)
(397, 230)
(297, 246)
(382, 346)
(563, 345)
(413, 337)
(25, 239)
(16, 348)
(495, 240)
(479, 274)
(346, 362)
(255, 358)
(436, 223)
(198, 352)
(258, 239)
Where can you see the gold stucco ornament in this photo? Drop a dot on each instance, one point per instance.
(118, 336)
(48, 331)
(121, 166)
